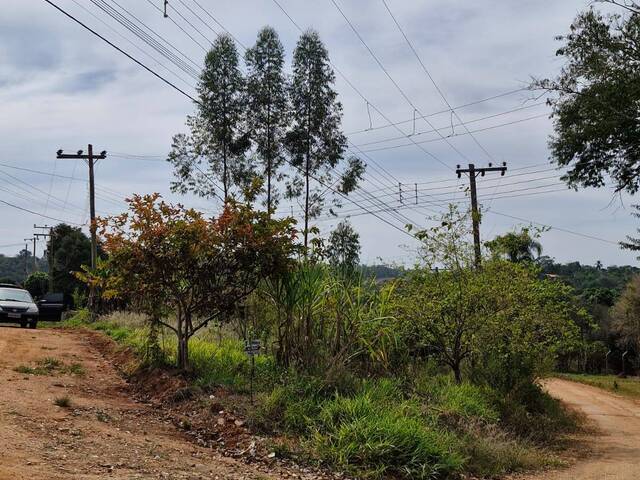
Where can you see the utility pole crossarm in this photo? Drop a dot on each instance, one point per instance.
(473, 173)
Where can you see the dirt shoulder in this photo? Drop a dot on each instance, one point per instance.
(105, 431)
(614, 451)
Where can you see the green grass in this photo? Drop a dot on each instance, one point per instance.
(422, 427)
(51, 366)
(629, 387)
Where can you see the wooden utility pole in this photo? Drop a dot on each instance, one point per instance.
(50, 251)
(35, 260)
(91, 159)
(475, 213)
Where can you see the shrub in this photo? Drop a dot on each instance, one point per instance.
(465, 400)
(371, 439)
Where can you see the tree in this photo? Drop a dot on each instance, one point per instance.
(172, 261)
(267, 105)
(218, 137)
(516, 246)
(315, 142)
(343, 250)
(626, 316)
(68, 250)
(596, 109)
(502, 323)
(632, 243)
(37, 284)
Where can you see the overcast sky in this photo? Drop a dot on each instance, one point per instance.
(61, 87)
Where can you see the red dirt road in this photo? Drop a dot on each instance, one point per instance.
(614, 452)
(104, 434)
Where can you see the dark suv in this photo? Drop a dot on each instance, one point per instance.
(17, 306)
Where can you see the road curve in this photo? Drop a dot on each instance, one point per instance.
(615, 448)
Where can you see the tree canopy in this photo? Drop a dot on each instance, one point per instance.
(166, 258)
(597, 107)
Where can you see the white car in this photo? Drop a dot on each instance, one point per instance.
(17, 306)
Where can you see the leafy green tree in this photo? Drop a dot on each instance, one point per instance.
(501, 323)
(68, 250)
(516, 246)
(267, 106)
(315, 141)
(37, 284)
(596, 108)
(218, 139)
(626, 315)
(344, 248)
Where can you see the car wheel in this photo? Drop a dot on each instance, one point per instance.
(33, 324)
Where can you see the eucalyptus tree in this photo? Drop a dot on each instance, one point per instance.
(315, 141)
(267, 106)
(344, 249)
(218, 138)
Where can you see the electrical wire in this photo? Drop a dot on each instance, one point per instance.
(174, 86)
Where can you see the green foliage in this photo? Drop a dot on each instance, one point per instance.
(372, 440)
(267, 103)
(68, 250)
(626, 316)
(169, 259)
(13, 269)
(315, 143)
(465, 400)
(37, 284)
(217, 139)
(516, 246)
(596, 114)
(343, 250)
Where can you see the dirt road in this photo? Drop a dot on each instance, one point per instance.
(614, 453)
(104, 433)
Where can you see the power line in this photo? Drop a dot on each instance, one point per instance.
(39, 214)
(457, 107)
(592, 237)
(413, 142)
(133, 44)
(361, 95)
(452, 126)
(150, 37)
(172, 85)
(438, 89)
(390, 77)
(178, 25)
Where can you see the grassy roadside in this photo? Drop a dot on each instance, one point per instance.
(419, 427)
(629, 387)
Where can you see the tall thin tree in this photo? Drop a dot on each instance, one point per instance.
(315, 141)
(267, 106)
(218, 136)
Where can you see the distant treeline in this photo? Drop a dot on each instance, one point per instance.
(589, 278)
(16, 269)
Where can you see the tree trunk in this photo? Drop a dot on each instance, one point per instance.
(457, 372)
(183, 352)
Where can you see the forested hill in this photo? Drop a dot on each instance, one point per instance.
(590, 277)
(12, 269)
(381, 272)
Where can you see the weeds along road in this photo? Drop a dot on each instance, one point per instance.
(613, 452)
(103, 434)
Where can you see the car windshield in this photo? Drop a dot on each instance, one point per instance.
(15, 295)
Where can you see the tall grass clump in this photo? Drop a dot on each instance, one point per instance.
(374, 437)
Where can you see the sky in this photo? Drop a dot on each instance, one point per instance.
(61, 87)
